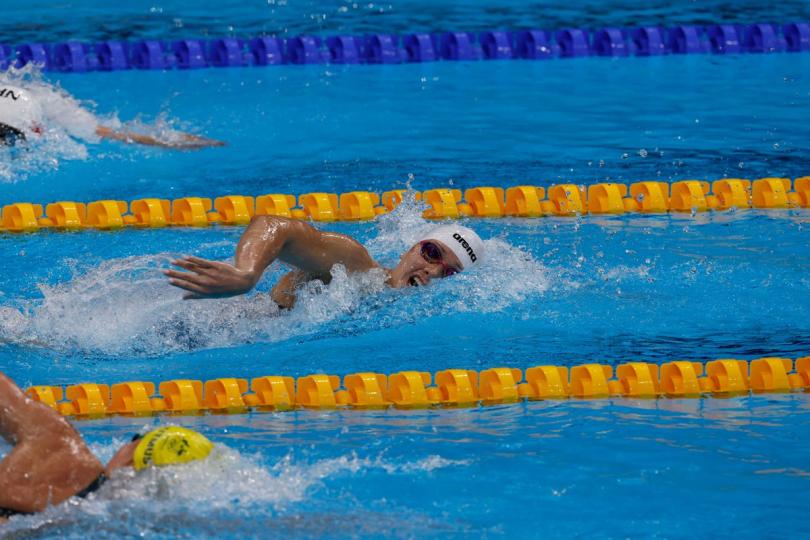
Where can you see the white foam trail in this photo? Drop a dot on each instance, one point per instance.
(126, 306)
(226, 480)
(71, 124)
(227, 475)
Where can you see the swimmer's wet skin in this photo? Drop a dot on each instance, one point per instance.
(24, 115)
(442, 252)
(51, 463)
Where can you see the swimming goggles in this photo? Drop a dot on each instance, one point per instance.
(433, 254)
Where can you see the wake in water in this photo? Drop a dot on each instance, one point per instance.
(69, 127)
(61, 139)
(126, 306)
(200, 492)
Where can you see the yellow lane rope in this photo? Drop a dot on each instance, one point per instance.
(486, 202)
(416, 389)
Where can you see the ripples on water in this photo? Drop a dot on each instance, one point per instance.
(608, 289)
(93, 305)
(463, 472)
(52, 21)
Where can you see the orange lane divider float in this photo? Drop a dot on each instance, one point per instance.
(417, 389)
(484, 202)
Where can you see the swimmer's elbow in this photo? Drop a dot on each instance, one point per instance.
(269, 222)
(281, 227)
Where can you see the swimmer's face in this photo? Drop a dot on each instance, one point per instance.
(124, 457)
(429, 259)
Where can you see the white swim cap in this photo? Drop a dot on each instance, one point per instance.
(18, 109)
(462, 241)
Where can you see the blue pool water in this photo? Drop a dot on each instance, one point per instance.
(48, 21)
(93, 306)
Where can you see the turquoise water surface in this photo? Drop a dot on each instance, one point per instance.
(93, 306)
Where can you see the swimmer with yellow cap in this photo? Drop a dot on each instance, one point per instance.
(50, 462)
(169, 445)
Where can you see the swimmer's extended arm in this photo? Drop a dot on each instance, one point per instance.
(186, 141)
(268, 238)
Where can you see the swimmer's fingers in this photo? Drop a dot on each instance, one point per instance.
(174, 274)
(183, 280)
(191, 260)
(193, 142)
(209, 278)
(196, 140)
(214, 269)
(194, 278)
(188, 283)
(199, 266)
(195, 291)
(205, 263)
(201, 142)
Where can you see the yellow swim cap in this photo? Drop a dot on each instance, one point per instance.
(171, 445)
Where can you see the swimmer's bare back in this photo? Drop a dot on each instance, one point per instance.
(49, 462)
(268, 238)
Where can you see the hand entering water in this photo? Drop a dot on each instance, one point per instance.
(207, 279)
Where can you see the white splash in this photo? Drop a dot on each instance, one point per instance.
(227, 481)
(127, 307)
(71, 124)
(505, 276)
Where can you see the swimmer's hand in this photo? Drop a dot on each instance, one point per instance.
(209, 279)
(185, 141)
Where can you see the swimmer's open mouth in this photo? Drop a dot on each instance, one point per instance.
(413, 282)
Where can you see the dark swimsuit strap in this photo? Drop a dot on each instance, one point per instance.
(94, 485)
(8, 512)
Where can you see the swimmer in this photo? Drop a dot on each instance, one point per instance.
(51, 463)
(442, 252)
(25, 115)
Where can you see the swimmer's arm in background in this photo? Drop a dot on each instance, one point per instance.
(186, 141)
(63, 109)
(266, 239)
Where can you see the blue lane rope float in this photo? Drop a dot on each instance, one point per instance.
(410, 48)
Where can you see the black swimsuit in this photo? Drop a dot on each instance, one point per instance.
(94, 485)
